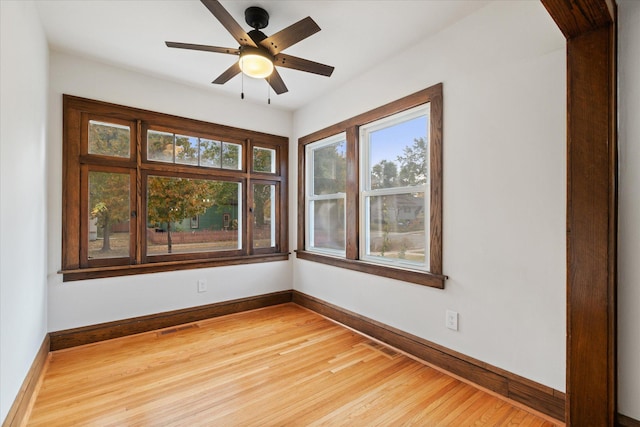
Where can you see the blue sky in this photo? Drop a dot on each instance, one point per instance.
(388, 143)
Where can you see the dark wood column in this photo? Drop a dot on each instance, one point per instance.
(590, 29)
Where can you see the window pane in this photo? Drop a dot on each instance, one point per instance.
(264, 213)
(328, 224)
(160, 146)
(187, 150)
(231, 156)
(398, 154)
(109, 139)
(210, 153)
(330, 169)
(264, 160)
(109, 213)
(192, 215)
(396, 227)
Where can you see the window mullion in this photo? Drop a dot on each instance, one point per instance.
(352, 203)
(140, 199)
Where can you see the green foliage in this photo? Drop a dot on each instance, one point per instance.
(413, 164)
(108, 201)
(109, 140)
(191, 150)
(413, 168)
(210, 153)
(160, 146)
(186, 150)
(261, 202)
(329, 169)
(230, 155)
(171, 200)
(261, 192)
(262, 159)
(384, 175)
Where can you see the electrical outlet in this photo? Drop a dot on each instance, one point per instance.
(202, 285)
(451, 321)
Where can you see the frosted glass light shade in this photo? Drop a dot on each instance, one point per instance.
(255, 65)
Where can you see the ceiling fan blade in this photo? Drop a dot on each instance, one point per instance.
(206, 48)
(290, 35)
(276, 82)
(300, 64)
(228, 74)
(228, 22)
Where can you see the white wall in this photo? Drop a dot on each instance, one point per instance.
(23, 225)
(74, 304)
(629, 209)
(503, 70)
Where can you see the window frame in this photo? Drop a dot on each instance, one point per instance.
(352, 259)
(77, 162)
(311, 197)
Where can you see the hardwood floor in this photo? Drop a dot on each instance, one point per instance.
(281, 365)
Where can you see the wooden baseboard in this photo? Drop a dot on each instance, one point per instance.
(536, 396)
(20, 409)
(624, 421)
(104, 331)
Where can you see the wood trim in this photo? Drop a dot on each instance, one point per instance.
(576, 17)
(283, 219)
(302, 194)
(624, 421)
(168, 121)
(405, 103)
(105, 331)
(70, 198)
(436, 178)
(535, 395)
(590, 29)
(591, 316)
(156, 267)
(352, 249)
(139, 222)
(418, 277)
(19, 411)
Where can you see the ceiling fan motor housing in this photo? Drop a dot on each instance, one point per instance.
(256, 17)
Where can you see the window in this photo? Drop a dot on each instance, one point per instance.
(372, 191)
(326, 195)
(147, 192)
(394, 164)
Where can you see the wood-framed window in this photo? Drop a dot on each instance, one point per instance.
(371, 191)
(147, 192)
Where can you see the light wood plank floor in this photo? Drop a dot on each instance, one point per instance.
(278, 366)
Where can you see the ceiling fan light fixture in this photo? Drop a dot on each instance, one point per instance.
(255, 63)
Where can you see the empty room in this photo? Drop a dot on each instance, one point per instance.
(323, 212)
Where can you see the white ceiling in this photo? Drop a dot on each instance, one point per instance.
(355, 35)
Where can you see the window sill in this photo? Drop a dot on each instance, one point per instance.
(418, 277)
(156, 267)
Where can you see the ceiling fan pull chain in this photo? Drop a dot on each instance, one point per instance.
(269, 90)
(242, 84)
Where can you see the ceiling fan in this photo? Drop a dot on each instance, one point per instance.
(258, 54)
